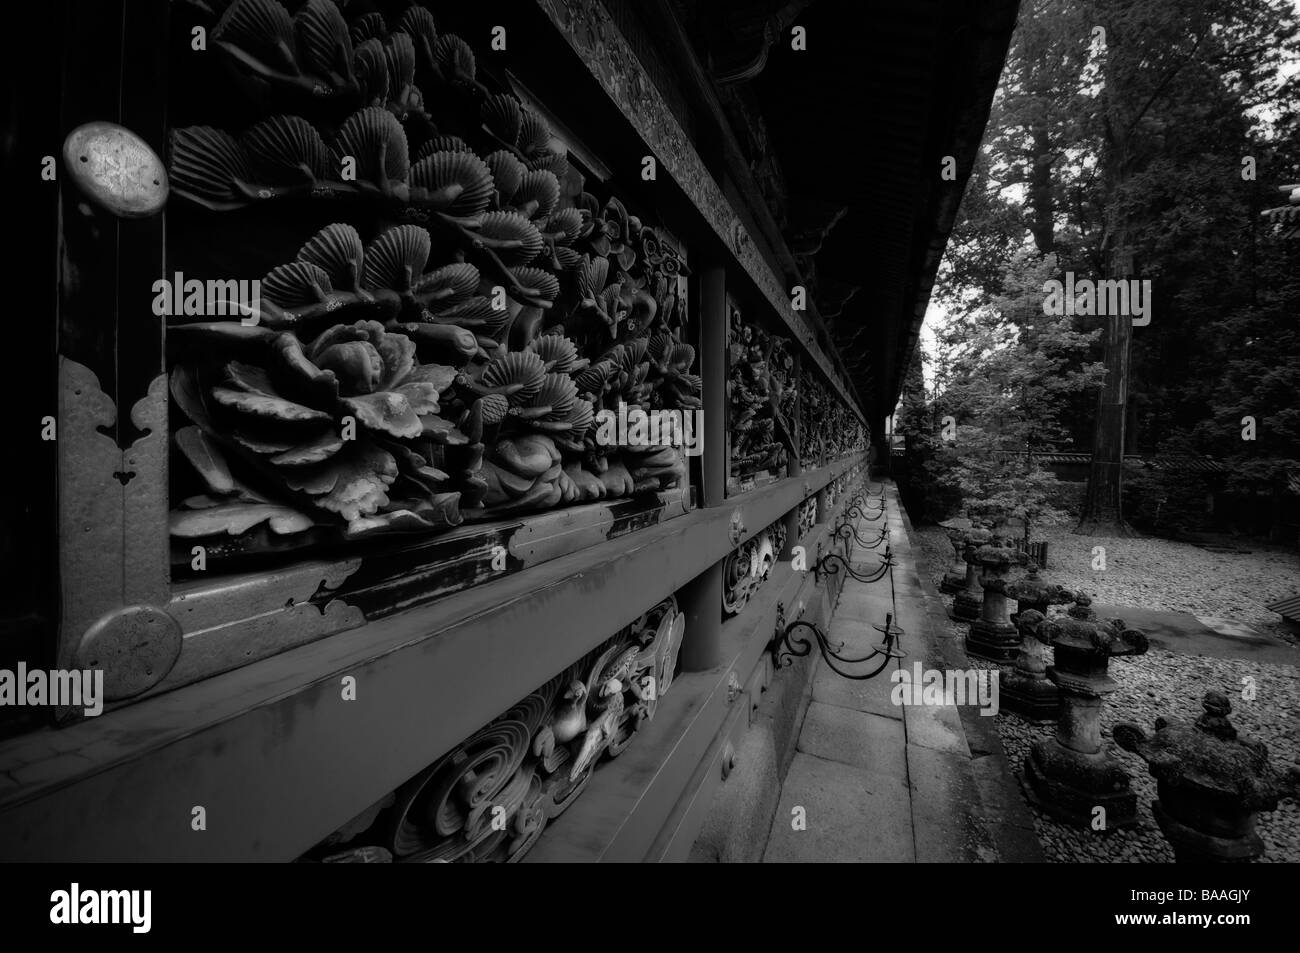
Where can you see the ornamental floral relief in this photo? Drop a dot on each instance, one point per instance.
(440, 351)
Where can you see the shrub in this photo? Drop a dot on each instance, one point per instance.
(1167, 502)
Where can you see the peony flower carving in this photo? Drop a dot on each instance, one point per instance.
(342, 423)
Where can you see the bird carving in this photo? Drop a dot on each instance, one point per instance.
(571, 717)
(601, 729)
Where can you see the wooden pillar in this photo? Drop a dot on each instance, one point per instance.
(713, 368)
(701, 599)
(880, 444)
(794, 468)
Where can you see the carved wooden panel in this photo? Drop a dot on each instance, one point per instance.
(445, 311)
(589, 29)
(807, 516)
(748, 566)
(491, 797)
(760, 398)
(828, 430)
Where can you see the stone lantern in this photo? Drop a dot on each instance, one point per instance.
(1026, 689)
(966, 603)
(1032, 591)
(993, 636)
(1070, 775)
(1210, 784)
(955, 579)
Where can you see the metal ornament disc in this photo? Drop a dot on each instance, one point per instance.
(116, 169)
(135, 647)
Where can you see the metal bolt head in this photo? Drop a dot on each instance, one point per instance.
(116, 169)
(135, 647)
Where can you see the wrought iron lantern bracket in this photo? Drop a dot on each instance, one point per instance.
(786, 646)
(860, 497)
(855, 512)
(832, 563)
(845, 530)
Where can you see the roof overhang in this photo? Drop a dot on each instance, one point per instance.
(861, 123)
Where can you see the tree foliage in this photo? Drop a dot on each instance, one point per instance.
(1141, 138)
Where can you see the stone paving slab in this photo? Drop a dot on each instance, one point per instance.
(839, 830)
(936, 727)
(859, 604)
(869, 696)
(882, 782)
(862, 739)
(942, 789)
(856, 637)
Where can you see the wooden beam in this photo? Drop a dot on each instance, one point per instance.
(587, 27)
(629, 800)
(123, 786)
(677, 46)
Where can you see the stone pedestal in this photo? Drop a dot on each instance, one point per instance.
(1210, 784)
(1072, 774)
(954, 580)
(992, 636)
(966, 603)
(1026, 689)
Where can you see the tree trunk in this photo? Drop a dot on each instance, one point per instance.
(1103, 512)
(1040, 192)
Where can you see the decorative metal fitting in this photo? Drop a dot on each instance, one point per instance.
(845, 533)
(857, 513)
(786, 646)
(833, 563)
(135, 647)
(116, 169)
(737, 528)
(734, 687)
(845, 530)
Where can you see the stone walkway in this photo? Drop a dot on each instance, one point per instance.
(884, 783)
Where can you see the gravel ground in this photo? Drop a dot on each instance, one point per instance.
(1161, 574)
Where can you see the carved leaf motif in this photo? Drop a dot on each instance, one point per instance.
(423, 398)
(237, 518)
(352, 483)
(263, 405)
(207, 459)
(439, 511)
(314, 451)
(442, 431)
(188, 394)
(438, 375)
(389, 412)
